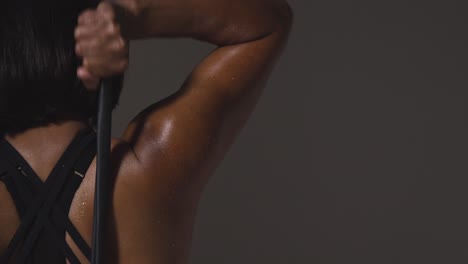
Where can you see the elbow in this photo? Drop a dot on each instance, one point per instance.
(284, 14)
(259, 22)
(284, 19)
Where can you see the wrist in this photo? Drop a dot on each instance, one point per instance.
(126, 15)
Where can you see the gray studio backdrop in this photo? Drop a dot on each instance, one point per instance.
(356, 153)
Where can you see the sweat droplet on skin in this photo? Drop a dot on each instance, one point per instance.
(82, 209)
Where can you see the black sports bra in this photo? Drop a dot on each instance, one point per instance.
(43, 206)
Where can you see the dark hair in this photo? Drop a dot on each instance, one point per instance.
(38, 81)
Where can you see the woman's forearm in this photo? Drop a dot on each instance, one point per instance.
(220, 22)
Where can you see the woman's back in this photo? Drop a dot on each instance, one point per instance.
(138, 231)
(42, 203)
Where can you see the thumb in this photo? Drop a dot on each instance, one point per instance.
(90, 81)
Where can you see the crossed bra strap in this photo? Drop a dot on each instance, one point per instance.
(43, 206)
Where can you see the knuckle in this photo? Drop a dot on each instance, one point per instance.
(86, 63)
(83, 47)
(86, 16)
(103, 6)
(78, 49)
(113, 29)
(81, 32)
(107, 10)
(77, 32)
(119, 45)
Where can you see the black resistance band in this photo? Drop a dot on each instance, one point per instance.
(103, 170)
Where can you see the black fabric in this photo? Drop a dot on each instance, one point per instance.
(43, 206)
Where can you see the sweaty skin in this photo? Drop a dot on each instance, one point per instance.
(166, 155)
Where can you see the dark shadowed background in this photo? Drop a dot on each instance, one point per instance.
(356, 153)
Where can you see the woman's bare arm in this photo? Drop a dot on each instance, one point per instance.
(220, 22)
(187, 134)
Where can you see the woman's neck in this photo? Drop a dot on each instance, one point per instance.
(42, 146)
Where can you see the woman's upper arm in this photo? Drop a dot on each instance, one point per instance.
(186, 135)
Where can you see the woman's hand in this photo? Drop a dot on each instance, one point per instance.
(100, 43)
